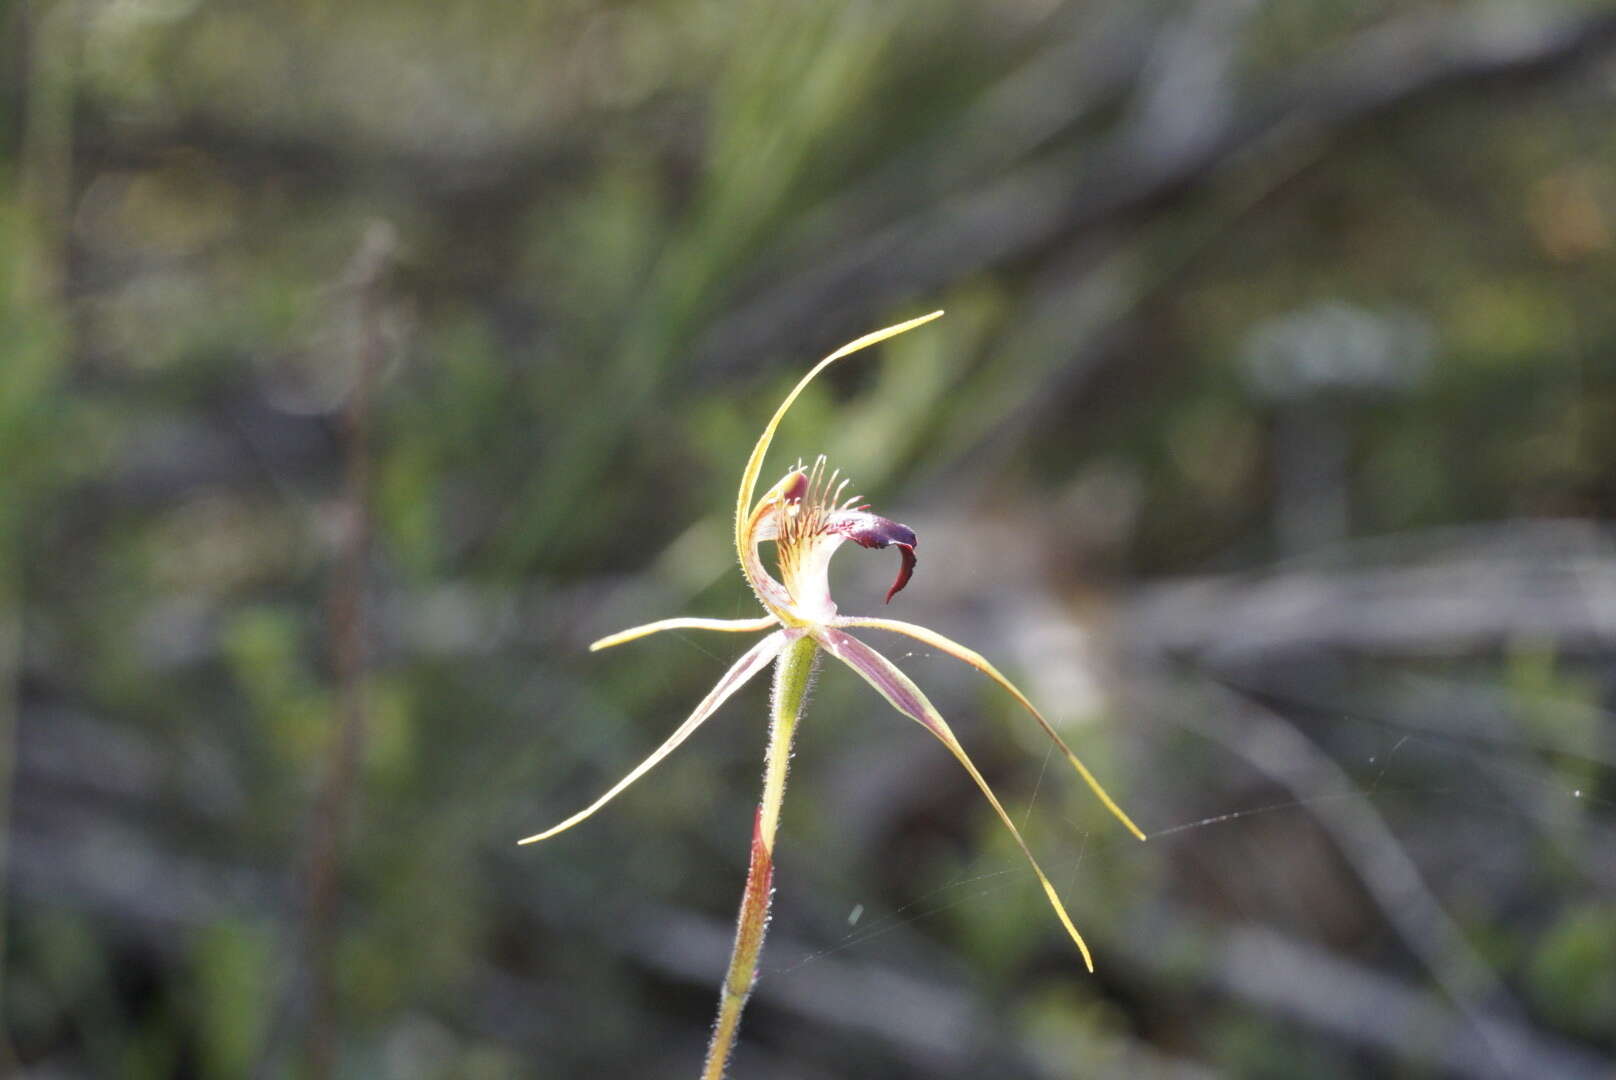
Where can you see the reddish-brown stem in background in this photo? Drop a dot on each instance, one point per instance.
(334, 809)
(51, 44)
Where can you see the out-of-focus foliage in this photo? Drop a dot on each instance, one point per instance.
(1267, 440)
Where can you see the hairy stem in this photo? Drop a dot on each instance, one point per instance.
(792, 673)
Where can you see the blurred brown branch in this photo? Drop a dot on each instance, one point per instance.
(1279, 974)
(349, 632)
(1472, 591)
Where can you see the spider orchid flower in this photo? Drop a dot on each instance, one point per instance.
(806, 517)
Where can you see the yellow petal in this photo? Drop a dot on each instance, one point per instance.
(634, 633)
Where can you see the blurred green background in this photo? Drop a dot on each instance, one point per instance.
(361, 362)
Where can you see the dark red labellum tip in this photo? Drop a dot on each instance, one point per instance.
(907, 551)
(873, 531)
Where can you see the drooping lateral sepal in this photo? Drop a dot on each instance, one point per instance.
(902, 694)
(977, 660)
(754, 660)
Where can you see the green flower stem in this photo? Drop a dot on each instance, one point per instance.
(792, 674)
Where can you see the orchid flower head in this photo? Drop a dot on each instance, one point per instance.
(807, 516)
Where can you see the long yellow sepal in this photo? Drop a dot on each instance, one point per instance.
(754, 464)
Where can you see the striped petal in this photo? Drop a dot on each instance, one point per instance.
(732, 626)
(755, 660)
(980, 663)
(908, 699)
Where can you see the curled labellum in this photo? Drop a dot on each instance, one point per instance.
(873, 531)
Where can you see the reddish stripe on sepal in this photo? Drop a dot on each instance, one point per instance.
(879, 672)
